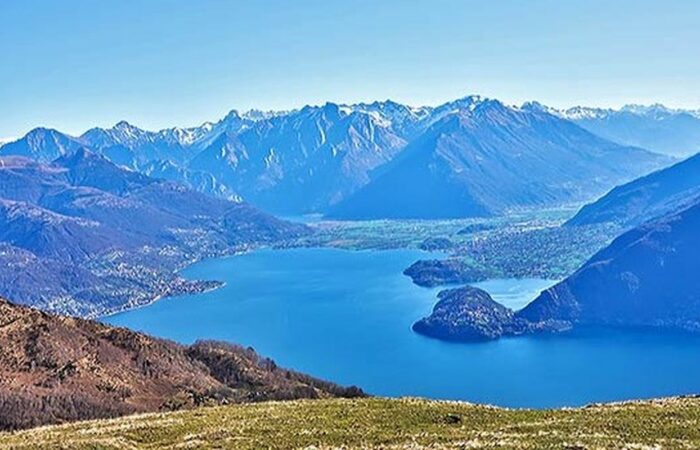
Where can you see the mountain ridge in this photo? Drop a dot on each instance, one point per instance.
(307, 160)
(647, 271)
(671, 131)
(488, 158)
(646, 197)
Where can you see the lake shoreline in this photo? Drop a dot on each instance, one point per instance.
(346, 316)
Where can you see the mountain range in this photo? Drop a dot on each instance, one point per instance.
(480, 157)
(334, 159)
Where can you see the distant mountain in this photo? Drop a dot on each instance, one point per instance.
(646, 277)
(58, 369)
(201, 181)
(673, 132)
(125, 231)
(480, 157)
(175, 145)
(42, 144)
(403, 120)
(128, 144)
(164, 154)
(646, 197)
(303, 161)
(314, 159)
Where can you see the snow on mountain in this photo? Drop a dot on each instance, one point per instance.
(43, 144)
(655, 110)
(186, 136)
(574, 113)
(671, 131)
(401, 118)
(304, 160)
(308, 159)
(480, 157)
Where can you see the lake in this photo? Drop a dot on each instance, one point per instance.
(346, 316)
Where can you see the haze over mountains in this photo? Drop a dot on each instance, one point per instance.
(348, 160)
(665, 130)
(646, 197)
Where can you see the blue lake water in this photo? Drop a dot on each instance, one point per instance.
(347, 315)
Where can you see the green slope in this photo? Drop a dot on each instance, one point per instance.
(384, 423)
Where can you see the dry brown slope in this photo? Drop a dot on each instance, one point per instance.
(55, 369)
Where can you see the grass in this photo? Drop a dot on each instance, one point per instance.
(383, 424)
(522, 245)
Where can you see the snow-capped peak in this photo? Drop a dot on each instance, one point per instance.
(656, 110)
(256, 115)
(585, 112)
(125, 127)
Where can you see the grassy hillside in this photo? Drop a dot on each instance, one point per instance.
(384, 423)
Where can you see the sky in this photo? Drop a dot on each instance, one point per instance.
(73, 64)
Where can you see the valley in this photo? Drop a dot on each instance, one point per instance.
(530, 244)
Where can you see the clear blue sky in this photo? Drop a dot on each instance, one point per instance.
(76, 64)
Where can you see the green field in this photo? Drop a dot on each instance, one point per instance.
(524, 245)
(386, 424)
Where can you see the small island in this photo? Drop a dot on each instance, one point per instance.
(470, 314)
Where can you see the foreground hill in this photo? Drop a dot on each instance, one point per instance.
(56, 369)
(645, 198)
(481, 157)
(667, 424)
